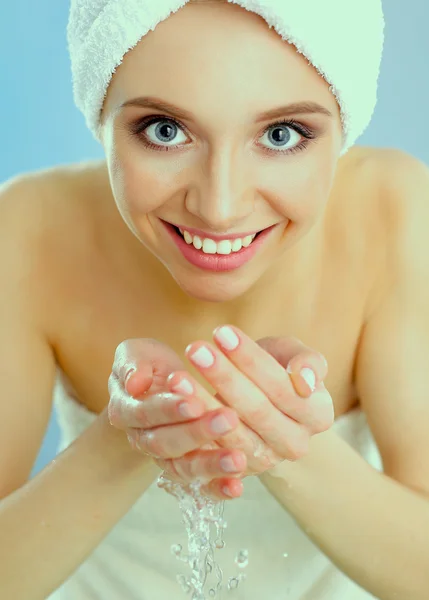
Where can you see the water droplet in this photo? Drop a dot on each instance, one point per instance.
(285, 554)
(199, 513)
(176, 549)
(233, 583)
(184, 583)
(242, 559)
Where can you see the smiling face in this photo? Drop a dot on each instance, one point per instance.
(215, 163)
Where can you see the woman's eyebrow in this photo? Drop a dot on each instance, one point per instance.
(280, 111)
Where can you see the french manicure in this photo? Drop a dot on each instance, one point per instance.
(183, 387)
(202, 357)
(188, 411)
(220, 424)
(309, 377)
(227, 338)
(228, 464)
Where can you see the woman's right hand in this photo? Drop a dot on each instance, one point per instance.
(151, 417)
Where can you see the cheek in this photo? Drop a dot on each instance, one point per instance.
(138, 190)
(304, 196)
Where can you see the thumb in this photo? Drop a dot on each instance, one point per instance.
(284, 349)
(146, 363)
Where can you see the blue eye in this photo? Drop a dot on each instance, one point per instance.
(281, 134)
(164, 130)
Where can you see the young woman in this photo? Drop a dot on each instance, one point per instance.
(214, 207)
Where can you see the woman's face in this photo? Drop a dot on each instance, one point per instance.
(223, 168)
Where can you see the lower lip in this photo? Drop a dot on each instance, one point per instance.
(217, 262)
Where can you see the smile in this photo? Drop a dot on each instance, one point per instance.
(209, 255)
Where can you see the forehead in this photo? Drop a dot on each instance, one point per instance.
(219, 50)
(218, 35)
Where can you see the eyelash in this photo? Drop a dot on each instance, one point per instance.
(138, 128)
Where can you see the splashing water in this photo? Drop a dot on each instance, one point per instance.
(199, 513)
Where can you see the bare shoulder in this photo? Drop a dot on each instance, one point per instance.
(49, 217)
(398, 211)
(43, 195)
(401, 197)
(404, 192)
(397, 178)
(404, 183)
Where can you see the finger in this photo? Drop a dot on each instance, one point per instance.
(242, 437)
(223, 489)
(208, 464)
(302, 362)
(148, 360)
(294, 356)
(140, 365)
(154, 411)
(264, 364)
(172, 441)
(161, 409)
(250, 402)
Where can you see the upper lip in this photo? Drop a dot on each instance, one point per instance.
(213, 236)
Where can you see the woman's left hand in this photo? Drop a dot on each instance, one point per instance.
(261, 381)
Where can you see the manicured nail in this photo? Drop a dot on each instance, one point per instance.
(220, 424)
(187, 410)
(228, 464)
(226, 338)
(202, 357)
(183, 387)
(309, 377)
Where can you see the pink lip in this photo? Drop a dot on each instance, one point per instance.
(214, 237)
(217, 262)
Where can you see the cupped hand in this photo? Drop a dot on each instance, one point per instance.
(264, 383)
(157, 423)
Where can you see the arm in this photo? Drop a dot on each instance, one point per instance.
(53, 522)
(77, 499)
(375, 526)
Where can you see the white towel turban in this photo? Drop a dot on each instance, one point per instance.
(342, 39)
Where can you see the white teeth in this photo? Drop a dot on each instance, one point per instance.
(198, 242)
(209, 246)
(187, 236)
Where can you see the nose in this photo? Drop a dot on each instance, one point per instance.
(223, 202)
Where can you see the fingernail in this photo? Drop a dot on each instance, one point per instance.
(228, 464)
(220, 424)
(183, 387)
(187, 410)
(202, 357)
(226, 337)
(226, 491)
(309, 377)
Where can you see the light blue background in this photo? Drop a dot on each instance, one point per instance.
(41, 127)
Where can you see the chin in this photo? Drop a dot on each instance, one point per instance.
(207, 288)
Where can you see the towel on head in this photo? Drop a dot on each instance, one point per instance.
(342, 39)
